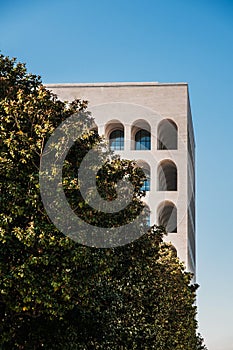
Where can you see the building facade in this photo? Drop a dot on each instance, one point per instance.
(152, 124)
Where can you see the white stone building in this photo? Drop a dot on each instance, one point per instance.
(151, 123)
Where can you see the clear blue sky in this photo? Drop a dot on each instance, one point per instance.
(153, 40)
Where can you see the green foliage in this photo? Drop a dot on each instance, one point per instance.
(55, 293)
(200, 343)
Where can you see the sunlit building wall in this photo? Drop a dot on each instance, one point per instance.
(152, 124)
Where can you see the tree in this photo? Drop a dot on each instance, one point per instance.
(56, 293)
(40, 266)
(200, 343)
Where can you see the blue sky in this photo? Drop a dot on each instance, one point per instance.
(153, 40)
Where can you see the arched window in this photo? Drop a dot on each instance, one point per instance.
(114, 132)
(141, 135)
(148, 220)
(167, 216)
(146, 169)
(167, 176)
(167, 135)
(146, 211)
(146, 184)
(116, 140)
(142, 140)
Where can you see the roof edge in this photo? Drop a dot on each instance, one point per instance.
(113, 84)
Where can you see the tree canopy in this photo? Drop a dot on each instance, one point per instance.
(56, 293)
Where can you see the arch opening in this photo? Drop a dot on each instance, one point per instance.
(167, 216)
(167, 137)
(114, 131)
(141, 135)
(167, 176)
(146, 169)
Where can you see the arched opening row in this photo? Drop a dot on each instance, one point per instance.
(167, 138)
(166, 175)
